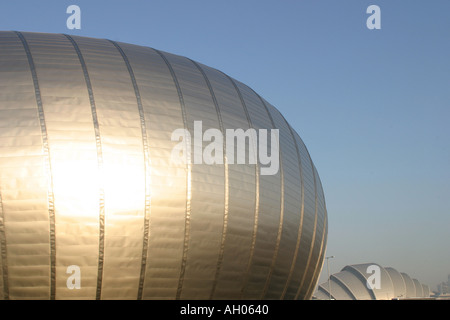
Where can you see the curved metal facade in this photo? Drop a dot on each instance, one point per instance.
(86, 180)
(351, 283)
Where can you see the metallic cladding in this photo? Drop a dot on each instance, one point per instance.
(86, 180)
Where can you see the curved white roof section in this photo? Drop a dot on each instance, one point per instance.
(410, 287)
(370, 281)
(397, 281)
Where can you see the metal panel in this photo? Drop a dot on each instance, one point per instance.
(289, 164)
(318, 264)
(163, 114)
(123, 163)
(270, 205)
(322, 231)
(75, 196)
(208, 195)
(23, 179)
(241, 195)
(146, 168)
(47, 163)
(309, 226)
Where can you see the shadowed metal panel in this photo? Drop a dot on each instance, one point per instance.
(270, 208)
(226, 178)
(318, 264)
(301, 213)
(289, 162)
(241, 199)
(315, 245)
(309, 225)
(207, 206)
(322, 227)
(277, 154)
(247, 145)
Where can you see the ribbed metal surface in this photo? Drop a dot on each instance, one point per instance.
(86, 179)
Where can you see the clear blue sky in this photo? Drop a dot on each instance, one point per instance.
(373, 106)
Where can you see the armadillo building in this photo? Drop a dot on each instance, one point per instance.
(92, 207)
(354, 282)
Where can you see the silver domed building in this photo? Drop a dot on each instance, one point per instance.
(92, 205)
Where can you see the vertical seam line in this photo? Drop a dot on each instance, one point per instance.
(322, 244)
(188, 179)
(320, 260)
(302, 210)
(282, 198)
(226, 184)
(98, 142)
(47, 165)
(257, 178)
(145, 146)
(311, 249)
